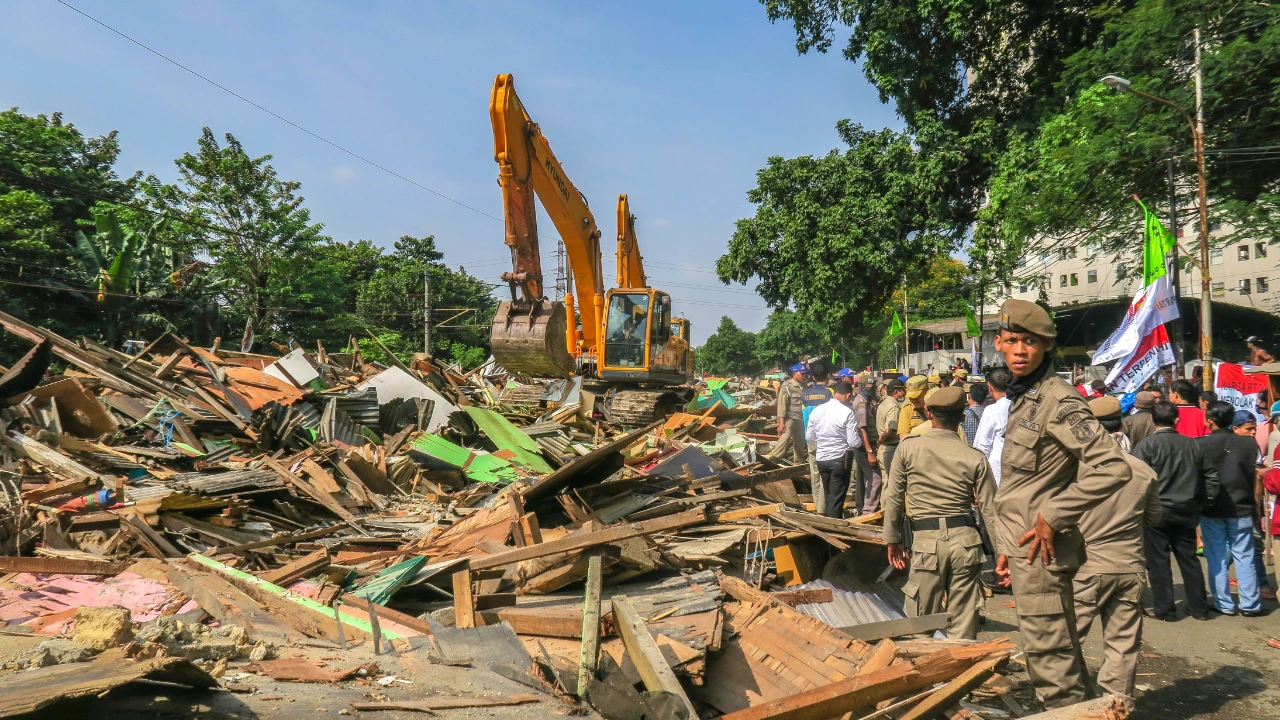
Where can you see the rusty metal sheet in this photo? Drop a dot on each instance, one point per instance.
(37, 689)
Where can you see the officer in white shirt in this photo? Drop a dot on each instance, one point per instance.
(990, 436)
(833, 430)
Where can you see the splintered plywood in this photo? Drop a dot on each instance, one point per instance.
(776, 652)
(463, 537)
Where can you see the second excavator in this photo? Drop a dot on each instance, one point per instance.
(623, 340)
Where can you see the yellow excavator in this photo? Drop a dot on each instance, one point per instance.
(621, 339)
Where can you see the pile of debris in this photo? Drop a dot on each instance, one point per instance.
(209, 517)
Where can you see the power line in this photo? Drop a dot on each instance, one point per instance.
(277, 116)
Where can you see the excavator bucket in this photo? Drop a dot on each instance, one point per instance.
(529, 338)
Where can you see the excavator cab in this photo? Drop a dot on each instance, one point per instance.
(640, 343)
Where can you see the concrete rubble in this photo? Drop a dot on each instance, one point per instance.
(219, 517)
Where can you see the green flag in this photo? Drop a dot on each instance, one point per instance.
(896, 328)
(971, 323)
(1156, 243)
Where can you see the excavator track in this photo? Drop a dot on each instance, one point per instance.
(639, 407)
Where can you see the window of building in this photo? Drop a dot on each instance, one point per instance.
(1246, 286)
(1090, 249)
(1219, 289)
(1062, 281)
(1215, 256)
(1261, 284)
(1075, 279)
(1093, 276)
(1022, 288)
(1242, 252)
(1122, 272)
(1260, 250)
(1215, 227)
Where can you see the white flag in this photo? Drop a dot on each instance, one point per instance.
(1153, 306)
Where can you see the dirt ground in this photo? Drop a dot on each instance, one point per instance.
(1219, 669)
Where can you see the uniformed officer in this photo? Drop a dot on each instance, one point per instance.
(912, 412)
(940, 476)
(1109, 584)
(790, 413)
(1057, 463)
(887, 423)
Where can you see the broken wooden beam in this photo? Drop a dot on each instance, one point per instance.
(952, 692)
(228, 604)
(803, 597)
(589, 654)
(589, 539)
(303, 567)
(1108, 707)
(283, 540)
(644, 653)
(61, 566)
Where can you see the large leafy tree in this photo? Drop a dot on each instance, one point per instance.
(729, 350)
(257, 230)
(832, 236)
(1016, 83)
(51, 175)
(789, 335)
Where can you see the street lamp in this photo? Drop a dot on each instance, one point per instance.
(1120, 84)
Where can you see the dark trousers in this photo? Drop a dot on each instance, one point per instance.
(835, 484)
(1177, 535)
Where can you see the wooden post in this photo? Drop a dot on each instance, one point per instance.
(952, 691)
(590, 649)
(644, 652)
(464, 613)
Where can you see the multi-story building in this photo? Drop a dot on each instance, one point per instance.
(1241, 273)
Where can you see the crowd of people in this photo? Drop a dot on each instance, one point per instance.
(1078, 499)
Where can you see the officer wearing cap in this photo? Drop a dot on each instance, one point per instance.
(960, 375)
(1108, 586)
(939, 476)
(887, 423)
(867, 478)
(913, 411)
(791, 413)
(1057, 464)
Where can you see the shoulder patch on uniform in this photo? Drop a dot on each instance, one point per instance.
(1083, 425)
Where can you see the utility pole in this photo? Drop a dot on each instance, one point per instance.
(561, 276)
(426, 310)
(1177, 273)
(1206, 302)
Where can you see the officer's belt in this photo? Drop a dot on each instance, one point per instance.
(938, 523)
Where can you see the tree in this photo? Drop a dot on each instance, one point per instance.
(788, 336)
(1057, 155)
(50, 177)
(730, 350)
(257, 231)
(833, 236)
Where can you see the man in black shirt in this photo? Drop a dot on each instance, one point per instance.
(1181, 474)
(1227, 522)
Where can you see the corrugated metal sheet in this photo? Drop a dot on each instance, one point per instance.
(360, 405)
(226, 482)
(855, 606)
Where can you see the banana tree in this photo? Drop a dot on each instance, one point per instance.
(116, 259)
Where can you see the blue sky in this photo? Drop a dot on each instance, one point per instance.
(675, 103)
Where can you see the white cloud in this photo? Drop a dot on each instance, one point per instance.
(343, 172)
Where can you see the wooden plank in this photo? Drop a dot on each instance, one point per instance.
(283, 540)
(804, 597)
(556, 622)
(644, 652)
(50, 458)
(310, 491)
(143, 530)
(881, 657)
(529, 529)
(799, 520)
(61, 566)
(951, 692)
(228, 604)
(323, 481)
(590, 539)
(303, 567)
(53, 490)
(464, 614)
(1108, 707)
(742, 513)
(450, 703)
(897, 627)
(858, 692)
(589, 654)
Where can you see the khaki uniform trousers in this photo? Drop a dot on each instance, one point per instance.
(945, 565)
(1047, 621)
(818, 487)
(1117, 600)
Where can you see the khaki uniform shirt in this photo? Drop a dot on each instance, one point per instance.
(789, 406)
(1058, 462)
(909, 418)
(887, 418)
(1113, 530)
(939, 476)
(924, 428)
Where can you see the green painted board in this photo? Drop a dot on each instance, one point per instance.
(525, 451)
(385, 584)
(477, 468)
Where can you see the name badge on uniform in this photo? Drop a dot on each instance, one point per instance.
(1029, 424)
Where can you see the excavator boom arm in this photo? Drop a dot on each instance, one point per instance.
(527, 166)
(630, 263)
